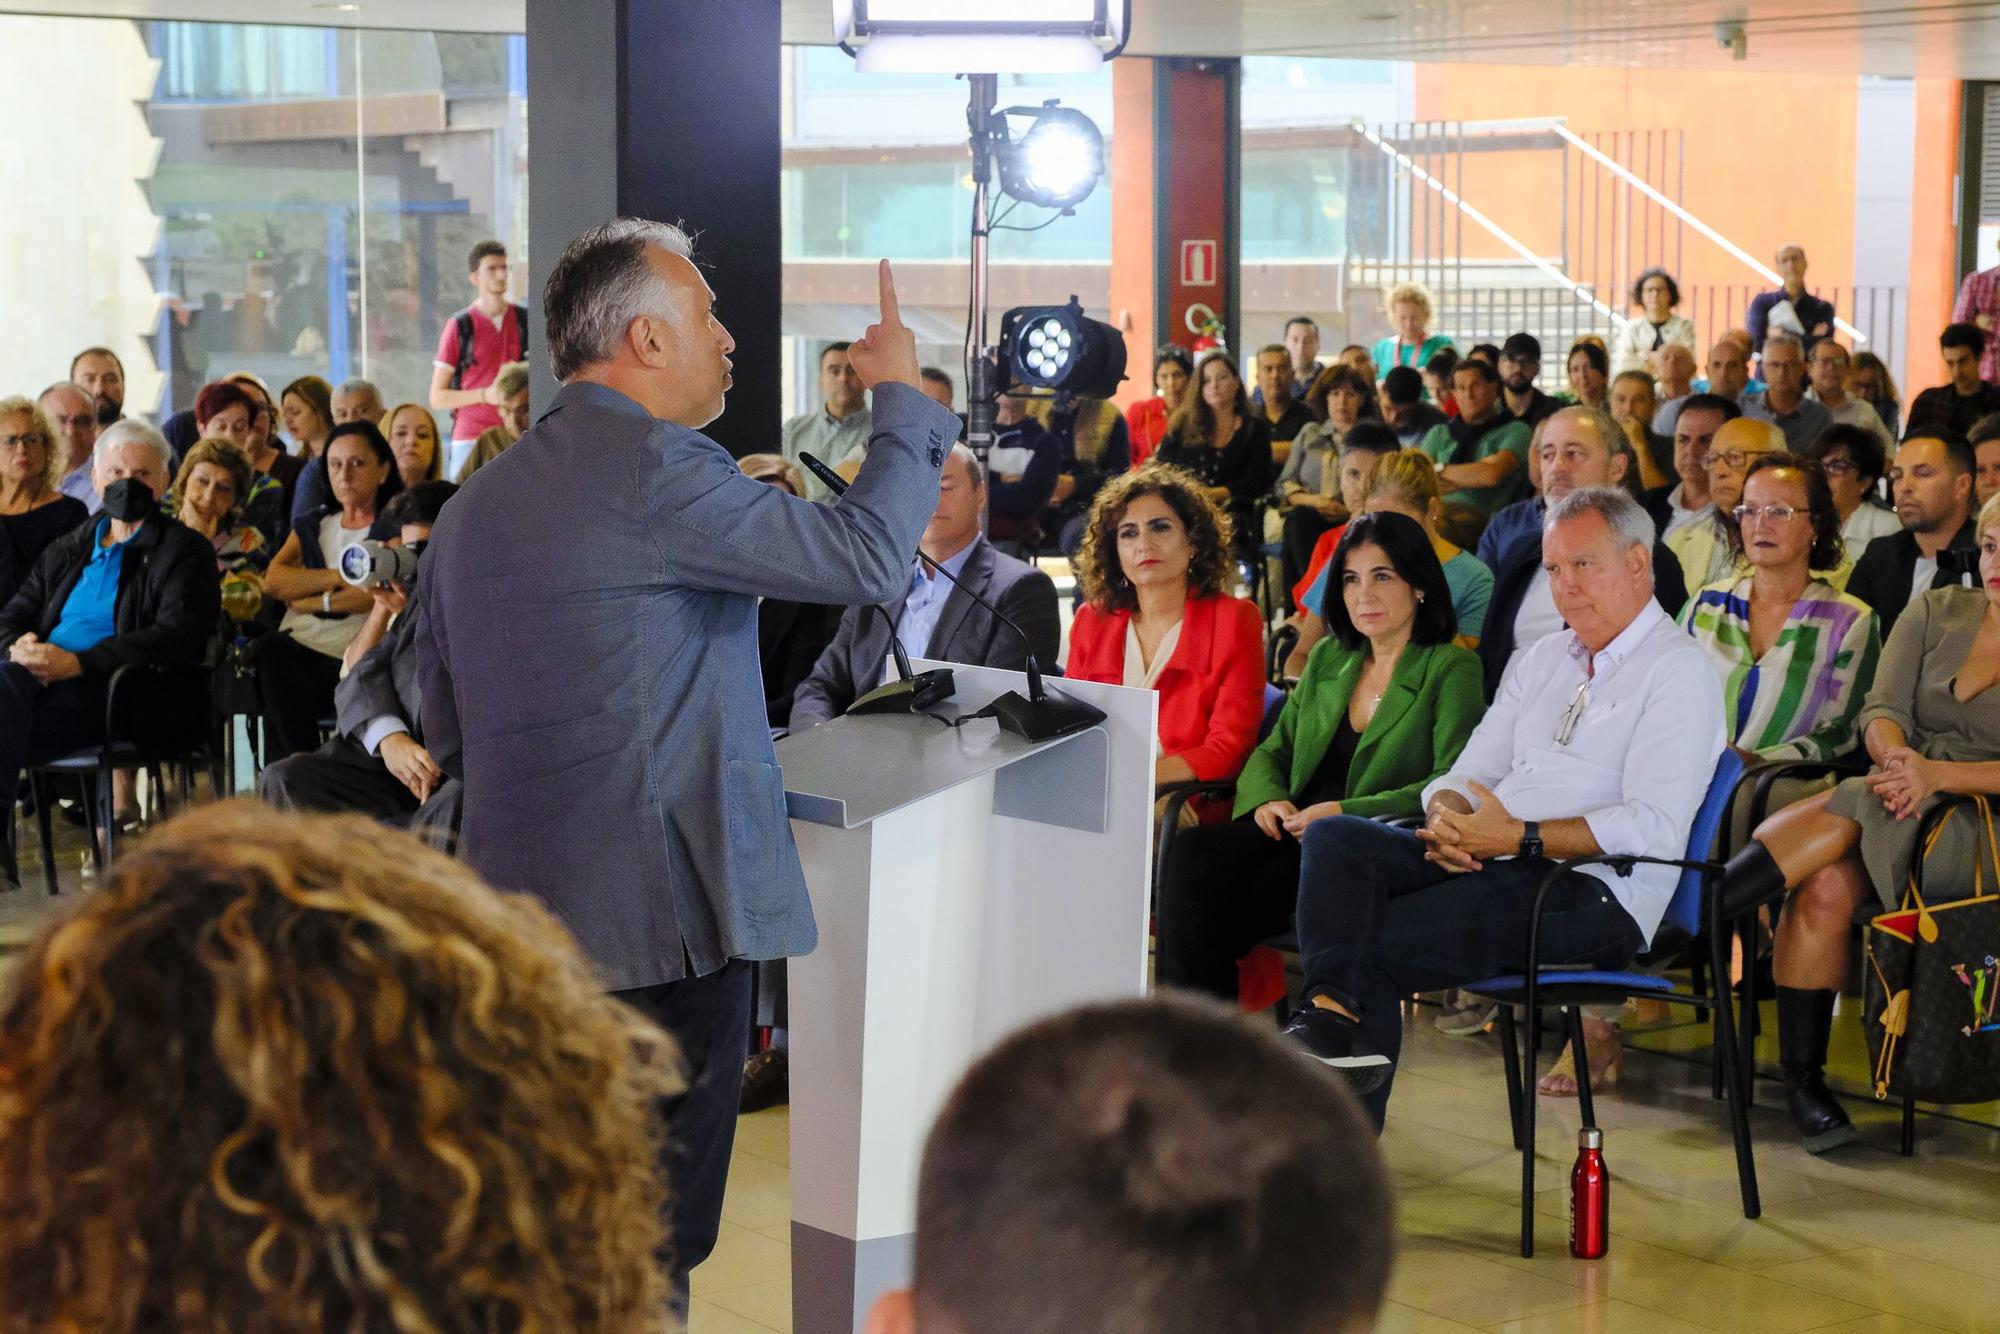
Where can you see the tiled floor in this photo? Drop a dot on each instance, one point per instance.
(1863, 1242)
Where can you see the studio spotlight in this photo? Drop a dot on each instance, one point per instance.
(1057, 162)
(1060, 349)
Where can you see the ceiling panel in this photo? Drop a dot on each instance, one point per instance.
(1890, 37)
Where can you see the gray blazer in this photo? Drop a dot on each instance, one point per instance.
(851, 665)
(383, 683)
(588, 666)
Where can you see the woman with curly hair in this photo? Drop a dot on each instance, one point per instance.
(286, 1073)
(1656, 294)
(1408, 307)
(1155, 569)
(208, 495)
(33, 510)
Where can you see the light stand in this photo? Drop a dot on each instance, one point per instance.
(981, 360)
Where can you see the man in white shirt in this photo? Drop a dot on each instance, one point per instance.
(1603, 739)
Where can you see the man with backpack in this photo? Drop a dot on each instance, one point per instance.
(476, 343)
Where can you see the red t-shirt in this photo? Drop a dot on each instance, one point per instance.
(493, 346)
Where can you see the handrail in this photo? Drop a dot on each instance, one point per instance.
(1735, 251)
(1500, 234)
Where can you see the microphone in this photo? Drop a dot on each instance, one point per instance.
(1041, 716)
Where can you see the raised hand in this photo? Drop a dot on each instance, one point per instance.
(887, 353)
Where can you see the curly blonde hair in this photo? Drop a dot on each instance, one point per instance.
(38, 422)
(1416, 293)
(298, 1073)
(1209, 532)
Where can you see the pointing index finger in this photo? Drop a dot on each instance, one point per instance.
(891, 312)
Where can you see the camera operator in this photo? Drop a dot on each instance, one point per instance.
(376, 763)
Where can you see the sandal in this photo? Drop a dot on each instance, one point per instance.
(1605, 1068)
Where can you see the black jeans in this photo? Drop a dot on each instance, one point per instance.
(710, 1019)
(294, 690)
(1227, 889)
(38, 723)
(1377, 922)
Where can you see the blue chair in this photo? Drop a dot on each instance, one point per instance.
(1694, 911)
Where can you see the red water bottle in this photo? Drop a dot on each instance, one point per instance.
(1589, 1198)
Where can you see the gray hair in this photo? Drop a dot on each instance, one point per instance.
(354, 384)
(961, 450)
(1784, 338)
(600, 285)
(72, 387)
(131, 431)
(1609, 433)
(1616, 507)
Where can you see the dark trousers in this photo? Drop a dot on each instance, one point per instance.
(339, 776)
(710, 1018)
(1377, 922)
(1227, 889)
(294, 691)
(1304, 526)
(38, 723)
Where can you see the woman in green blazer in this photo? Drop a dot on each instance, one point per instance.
(1384, 706)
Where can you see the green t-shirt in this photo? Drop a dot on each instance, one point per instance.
(1512, 437)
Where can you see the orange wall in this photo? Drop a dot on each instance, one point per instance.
(1133, 242)
(1749, 173)
(1933, 231)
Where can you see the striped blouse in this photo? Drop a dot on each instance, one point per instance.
(1799, 701)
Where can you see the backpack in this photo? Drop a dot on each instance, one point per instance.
(464, 323)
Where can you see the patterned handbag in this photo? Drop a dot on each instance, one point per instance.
(1932, 981)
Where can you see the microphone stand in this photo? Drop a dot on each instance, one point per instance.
(1039, 716)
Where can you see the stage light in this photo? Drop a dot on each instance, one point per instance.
(1057, 163)
(984, 36)
(1059, 348)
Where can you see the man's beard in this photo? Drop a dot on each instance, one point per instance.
(1521, 387)
(108, 411)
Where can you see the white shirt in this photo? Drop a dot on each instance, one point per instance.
(1538, 617)
(1639, 759)
(1921, 576)
(1868, 522)
(1679, 516)
(330, 637)
(1142, 675)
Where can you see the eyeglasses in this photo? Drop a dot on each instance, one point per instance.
(1566, 725)
(1735, 458)
(22, 441)
(1774, 513)
(1838, 467)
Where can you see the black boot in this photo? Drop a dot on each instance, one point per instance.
(1805, 1018)
(1750, 879)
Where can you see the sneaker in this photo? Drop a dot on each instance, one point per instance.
(1335, 1039)
(1464, 1015)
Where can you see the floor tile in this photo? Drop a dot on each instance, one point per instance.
(1929, 1293)
(741, 1257)
(768, 1304)
(707, 1318)
(766, 1135)
(1612, 1317)
(1471, 1289)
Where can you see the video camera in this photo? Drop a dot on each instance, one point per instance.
(373, 564)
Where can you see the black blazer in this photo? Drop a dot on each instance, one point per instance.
(1882, 573)
(790, 638)
(383, 682)
(169, 596)
(1510, 585)
(966, 632)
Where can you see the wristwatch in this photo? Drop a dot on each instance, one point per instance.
(1531, 838)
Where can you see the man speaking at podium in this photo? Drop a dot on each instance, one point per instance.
(589, 646)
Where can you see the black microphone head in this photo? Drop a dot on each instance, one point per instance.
(833, 480)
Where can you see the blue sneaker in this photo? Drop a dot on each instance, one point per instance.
(1335, 1040)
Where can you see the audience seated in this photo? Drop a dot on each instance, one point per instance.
(33, 510)
(1437, 380)
(413, 439)
(1588, 369)
(227, 411)
(1279, 393)
(937, 382)
(1408, 306)
(1687, 500)
(131, 587)
(101, 375)
(934, 619)
(1480, 456)
(214, 475)
(836, 432)
(1673, 369)
(1025, 467)
(1365, 444)
(1406, 483)
(1931, 479)
(312, 1076)
(790, 635)
(1828, 366)
(1399, 400)
(1578, 449)
(1520, 361)
(1091, 445)
(1156, 1166)
(1783, 400)
(356, 399)
(1960, 402)
(72, 414)
(298, 665)
(376, 764)
(1217, 440)
(1871, 382)
(306, 407)
(1602, 739)
(1985, 441)
(1931, 727)
(1656, 327)
(1854, 460)
(1302, 351)
(1632, 402)
(511, 385)
(1308, 487)
(1155, 570)
(1728, 377)
(1382, 709)
(1146, 421)
(265, 449)
(1707, 548)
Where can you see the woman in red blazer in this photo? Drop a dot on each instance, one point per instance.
(1155, 569)
(1146, 420)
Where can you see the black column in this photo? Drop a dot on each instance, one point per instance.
(669, 109)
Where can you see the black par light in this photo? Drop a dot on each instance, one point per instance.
(1059, 348)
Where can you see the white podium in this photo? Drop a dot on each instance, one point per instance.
(965, 882)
